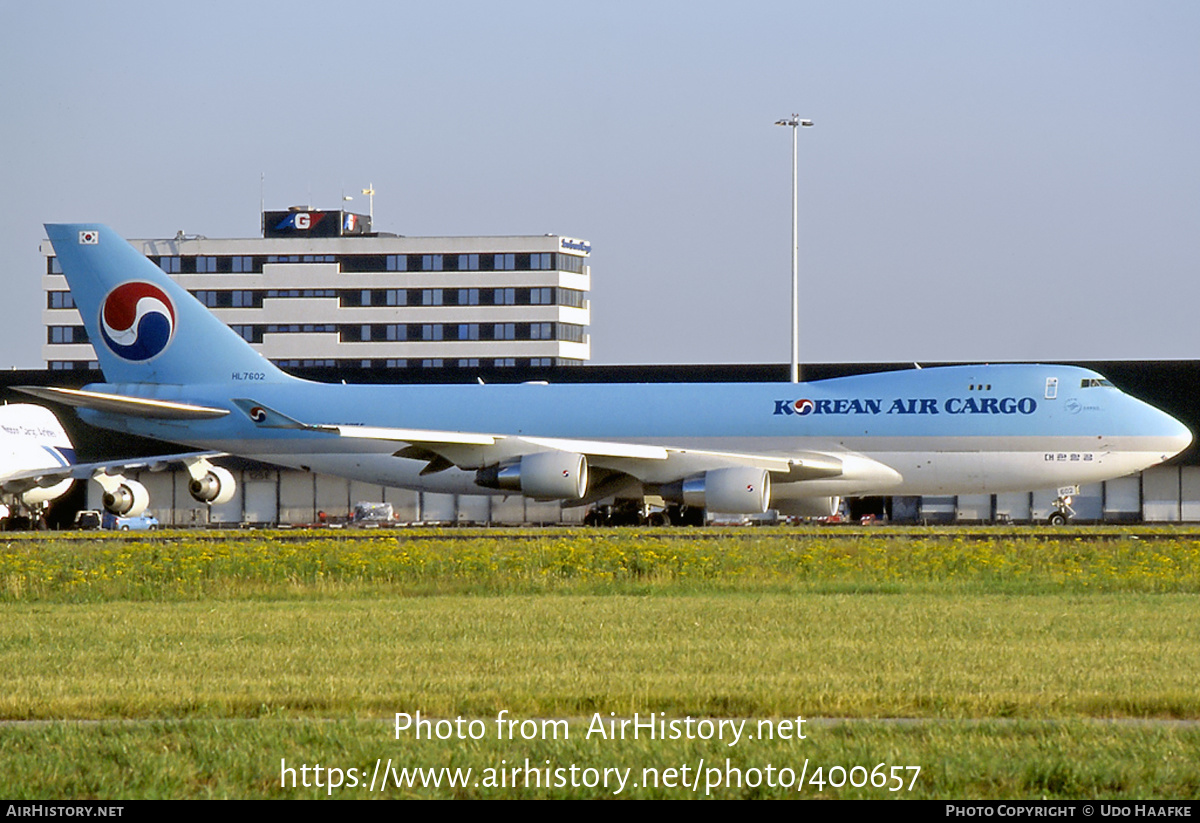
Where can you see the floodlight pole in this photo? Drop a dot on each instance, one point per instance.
(795, 121)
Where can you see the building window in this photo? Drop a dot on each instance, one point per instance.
(251, 334)
(505, 262)
(66, 334)
(436, 363)
(541, 331)
(540, 261)
(431, 297)
(468, 262)
(207, 297)
(570, 332)
(169, 264)
(300, 328)
(59, 300)
(431, 331)
(504, 331)
(504, 297)
(469, 363)
(468, 331)
(468, 297)
(397, 262)
(431, 262)
(396, 331)
(206, 265)
(361, 262)
(503, 362)
(569, 262)
(73, 365)
(397, 364)
(396, 297)
(541, 361)
(541, 297)
(242, 265)
(53, 266)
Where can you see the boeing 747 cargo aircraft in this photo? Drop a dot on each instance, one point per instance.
(176, 373)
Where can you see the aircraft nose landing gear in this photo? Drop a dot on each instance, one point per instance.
(1062, 506)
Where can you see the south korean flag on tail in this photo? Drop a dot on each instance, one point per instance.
(89, 238)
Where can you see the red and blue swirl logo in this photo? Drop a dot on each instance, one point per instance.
(137, 321)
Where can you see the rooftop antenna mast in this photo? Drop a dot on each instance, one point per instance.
(369, 191)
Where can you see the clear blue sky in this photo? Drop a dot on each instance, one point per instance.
(985, 180)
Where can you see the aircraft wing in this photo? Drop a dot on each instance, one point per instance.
(640, 462)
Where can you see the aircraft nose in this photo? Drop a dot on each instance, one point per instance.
(1176, 436)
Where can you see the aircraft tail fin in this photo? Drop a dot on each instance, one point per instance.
(144, 326)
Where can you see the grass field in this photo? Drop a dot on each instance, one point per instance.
(1046, 663)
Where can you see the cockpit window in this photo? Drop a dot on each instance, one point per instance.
(1091, 382)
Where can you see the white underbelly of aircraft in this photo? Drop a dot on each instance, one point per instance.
(995, 472)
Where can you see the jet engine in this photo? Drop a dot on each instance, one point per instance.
(545, 476)
(38, 496)
(737, 490)
(214, 487)
(808, 506)
(127, 498)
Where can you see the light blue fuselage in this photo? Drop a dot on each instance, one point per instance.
(944, 430)
(921, 431)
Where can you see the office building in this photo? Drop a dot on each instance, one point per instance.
(321, 289)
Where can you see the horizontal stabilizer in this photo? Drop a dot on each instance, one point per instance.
(268, 418)
(123, 404)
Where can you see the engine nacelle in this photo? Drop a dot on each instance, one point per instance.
(215, 487)
(738, 490)
(545, 476)
(808, 506)
(129, 498)
(38, 496)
